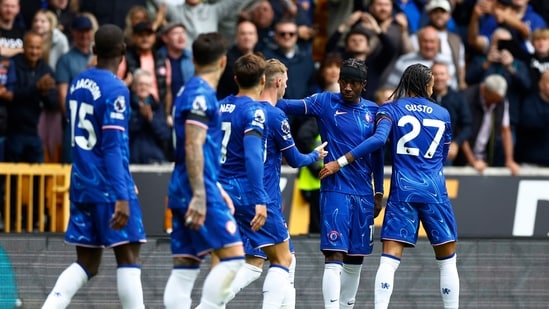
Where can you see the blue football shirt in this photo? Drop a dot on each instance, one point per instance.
(344, 126)
(98, 112)
(197, 104)
(420, 129)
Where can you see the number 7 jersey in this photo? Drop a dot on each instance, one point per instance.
(420, 136)
(98, 111)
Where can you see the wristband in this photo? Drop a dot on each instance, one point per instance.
(379, 193)
(342, 161)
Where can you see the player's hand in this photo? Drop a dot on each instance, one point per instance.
(378, 204)
(453, 151)
(196, 214)
(329, 168)
(227, 198)
(322, 153)
(260, 217)
(121, 215)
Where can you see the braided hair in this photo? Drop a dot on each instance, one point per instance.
(413, 82)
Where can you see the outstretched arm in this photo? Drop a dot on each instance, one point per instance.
(370, 145)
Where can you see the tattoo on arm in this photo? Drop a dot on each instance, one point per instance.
(195, 137)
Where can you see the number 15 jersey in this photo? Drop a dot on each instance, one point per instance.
(98, 112)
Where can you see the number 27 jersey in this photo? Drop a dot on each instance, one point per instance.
(420, 130)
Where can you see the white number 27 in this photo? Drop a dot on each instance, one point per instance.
(416, 128)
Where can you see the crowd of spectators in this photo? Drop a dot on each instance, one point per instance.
(499, 122)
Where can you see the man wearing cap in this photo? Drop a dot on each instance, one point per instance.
(70, 64)
(491, 143)
(347, 200)
(11, 34)
(180, 56)
(451, 46)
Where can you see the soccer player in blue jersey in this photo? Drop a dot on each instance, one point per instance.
(348, 204)
(279, 143)
(202, 221)
(242, 170)
(420, 134)
(105, 211)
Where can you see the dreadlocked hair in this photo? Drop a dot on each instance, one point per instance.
(413, 82)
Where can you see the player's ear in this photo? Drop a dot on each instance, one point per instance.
(123, 49)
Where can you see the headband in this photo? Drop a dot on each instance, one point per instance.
(352, 73)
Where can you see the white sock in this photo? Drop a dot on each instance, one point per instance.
(68, 283)
(449, 282)
(331, 285)
(289, 298)
(275, 286)
(217, 285)
(247, 274)
(350, 278)
(177, 293)
(130, 291)
(385, 277)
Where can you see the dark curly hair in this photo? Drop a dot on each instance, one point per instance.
(413, 82)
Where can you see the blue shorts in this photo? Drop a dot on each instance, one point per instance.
(257, 252)
(89, 226)
(347, 223)
(401, 222)
(219, 231)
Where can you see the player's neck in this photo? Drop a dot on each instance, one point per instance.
(108, 64)
(254, 93)
(269, 95)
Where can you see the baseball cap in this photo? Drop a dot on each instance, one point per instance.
(438, 4)
(81, 23)
(166, 29)
(496, 83)
(143, 26)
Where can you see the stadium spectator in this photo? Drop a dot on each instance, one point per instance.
(69, 65)
(427, 54)
(500, 60)
(178, 52)
(244, 43)
(150, 136)
(418, 187)
(456, 105)
(105, 211)
(11, 32)
(202, 220)
(491, 142)
(202, 17)
(539, 60)
(532, 144)
(451, 46)
(346, 206)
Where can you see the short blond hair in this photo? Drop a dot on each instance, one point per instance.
(540, 33)
(273, 68)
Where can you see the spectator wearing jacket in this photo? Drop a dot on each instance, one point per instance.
(149, 133)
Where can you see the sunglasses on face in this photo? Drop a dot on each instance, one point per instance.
(286, 34)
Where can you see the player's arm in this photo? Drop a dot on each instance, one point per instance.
(294, 158)
(253, 154)
(292, 107)
(378, 174)
(195, 137)
(113, 138)
(371, 144)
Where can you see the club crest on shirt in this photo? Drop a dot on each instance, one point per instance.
(230, 226)
(368, 117)
(333, 236)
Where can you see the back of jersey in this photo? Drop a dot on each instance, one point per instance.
(97, 100)
(239, 115)
(420, 131)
